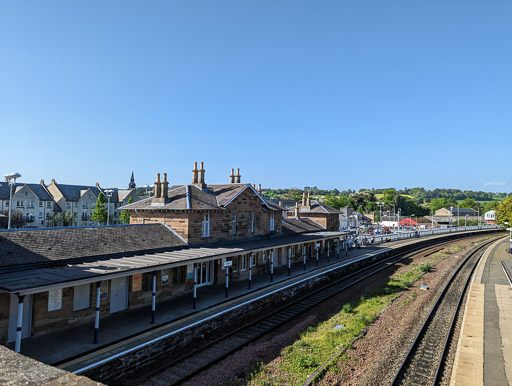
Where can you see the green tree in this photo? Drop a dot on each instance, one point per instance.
(124, 217)
(337, 201)
(100, 212)
(438, 203)
(504, 211)
(471, 203)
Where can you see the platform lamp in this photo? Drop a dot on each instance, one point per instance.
(109, 195)
(11, 179)
(451, 216)
(380, 204)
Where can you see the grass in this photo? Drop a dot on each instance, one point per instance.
(317, 343)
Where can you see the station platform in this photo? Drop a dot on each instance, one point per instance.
(484, 350)
(73, 349)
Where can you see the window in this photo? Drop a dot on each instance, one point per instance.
(30, 204)
(75, 204)
(81, 297)
(272, 221)
(243, 263)
(178, 275)
(19, 204)
(234, 224)
(48, 205)
(84, 206)
(30, 217)
(68, 205)
(40, 204)
(206, 225)
(252, 222)
(254, 260)
(234, 267)
(7, 204)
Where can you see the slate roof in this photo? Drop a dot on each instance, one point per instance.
(57, 246)
(74, 192)
(463, 211)
(38, 189)
(300, 225)
(40, 279)
(191, 197)
(318, 207)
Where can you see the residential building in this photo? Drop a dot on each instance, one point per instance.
(456, 212)
(33, 206)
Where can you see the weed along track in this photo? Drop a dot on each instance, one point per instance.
(197, 362)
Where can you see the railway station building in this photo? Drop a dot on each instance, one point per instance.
(183, 237)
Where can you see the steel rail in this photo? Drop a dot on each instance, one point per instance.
(322, 294)
(433, 310)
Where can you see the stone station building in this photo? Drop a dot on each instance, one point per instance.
(184, 237)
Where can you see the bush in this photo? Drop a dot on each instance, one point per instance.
(347, 308)
(426, 267)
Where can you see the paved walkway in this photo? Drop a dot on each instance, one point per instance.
(484, 352)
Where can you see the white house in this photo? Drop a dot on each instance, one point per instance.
(490, 217)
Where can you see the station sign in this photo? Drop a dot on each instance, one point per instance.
(228, 264)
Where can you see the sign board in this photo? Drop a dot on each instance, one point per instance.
(228, 264)
(165, 276)
(104, 290)
(55, 299)
(318, 245)
(137, 282)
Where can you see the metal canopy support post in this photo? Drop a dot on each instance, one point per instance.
(304, 255)
(317, 255)
(227, 280)
(19, 323)
(195, 287)
(272, 265)
(153, 300)
(328, 250)
(250, 269)
(346, 247)
(97, 312)
(289, 261)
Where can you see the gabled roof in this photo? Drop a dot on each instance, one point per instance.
(56, 246)
(191, 197)
(38, 189)
(318, 207)
(74, 192)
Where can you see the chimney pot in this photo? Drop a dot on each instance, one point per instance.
(194, 174)
(165, 188)
(297, 214)
(232, 177)
(158, 186)
(42, 182)
(237, 177)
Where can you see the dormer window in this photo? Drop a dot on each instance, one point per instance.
(234, 224)
(271, 221)
(206, 225)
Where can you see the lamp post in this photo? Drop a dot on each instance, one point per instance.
(458, 216)
(11, 179)
(380, 204)
(411, 219)
(398, 223)
(466, 221)
(109, 195)
(451, 215)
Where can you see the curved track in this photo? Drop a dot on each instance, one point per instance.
(195, 362)
(425, 358)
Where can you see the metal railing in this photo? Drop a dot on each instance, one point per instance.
(407, 234)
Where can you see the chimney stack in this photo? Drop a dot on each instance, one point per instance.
(194, 174)
(232, 177)
(158, 187)
(259, 189)
(200, 180)
(42, 182)
(237, 176)
(297, 215)
(165, 188)
(308, 203)
(280, 203)
(304, 199)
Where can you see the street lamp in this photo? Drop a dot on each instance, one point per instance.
(411, 219)
(380, 204)
(108, 194)
(11, 179)
(451, 215)
(398, 223)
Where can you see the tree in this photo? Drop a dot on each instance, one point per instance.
(337, 201)
(438, 203)
(471, 203)
(100, 213)
(124, 217)
(504, 211)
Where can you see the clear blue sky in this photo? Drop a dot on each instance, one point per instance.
(344, 94)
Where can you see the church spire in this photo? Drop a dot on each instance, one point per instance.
(132, 182)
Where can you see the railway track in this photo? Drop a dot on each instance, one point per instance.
(425, 358)
(193, 363)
